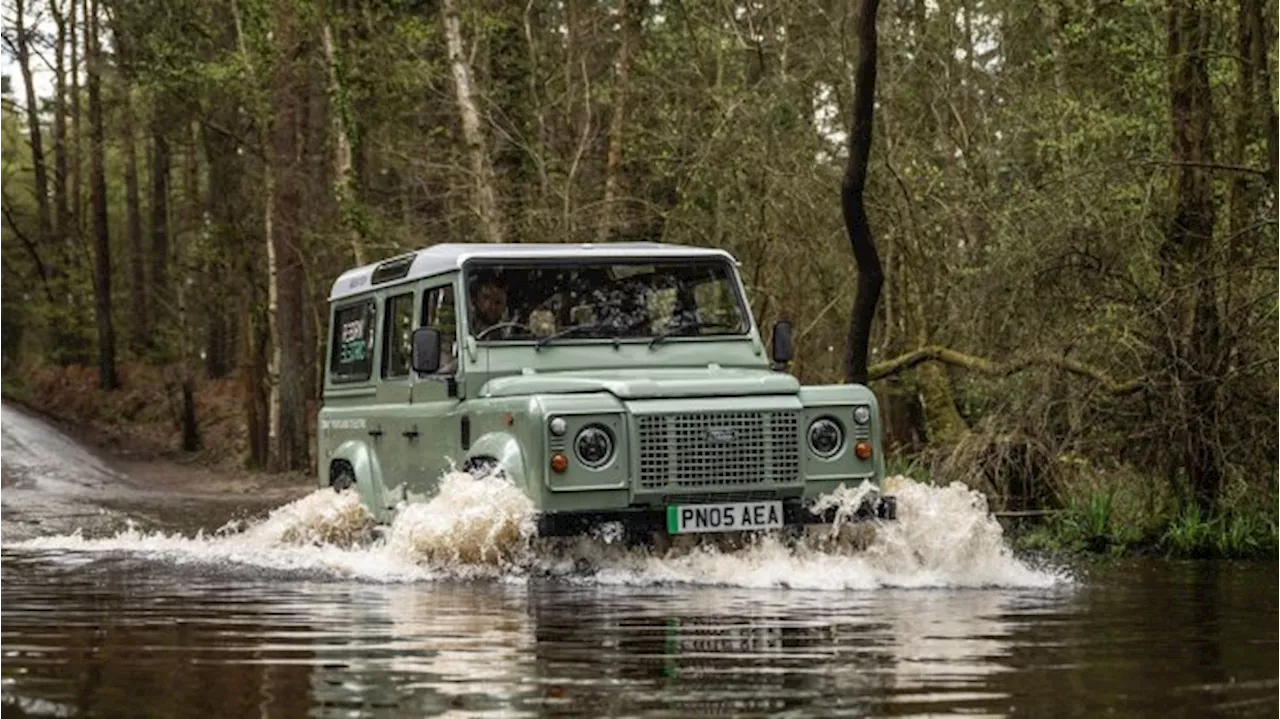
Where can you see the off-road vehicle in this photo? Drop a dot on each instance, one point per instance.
(611, 383)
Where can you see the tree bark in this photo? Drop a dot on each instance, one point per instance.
(1186, 257)
(870, 274)
(292, 445)
(77, 207)
(160, 162)
(226, 241)
(62, 214)
(259, 327)
(629, 32)
(342, 190)
(23, 38)
(1260, 34)
(485, 197)
(139, 311)
(191, 232)
(946, 355)
(107, 378)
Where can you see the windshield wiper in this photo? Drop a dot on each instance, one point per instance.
(567, 331)
(616, 330)
(693, 325)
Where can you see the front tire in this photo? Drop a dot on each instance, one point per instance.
(341, 476)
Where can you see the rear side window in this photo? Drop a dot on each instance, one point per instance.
(351, 351)
(397, 347)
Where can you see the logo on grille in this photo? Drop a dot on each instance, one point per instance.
(721, 434)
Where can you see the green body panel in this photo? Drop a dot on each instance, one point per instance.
(401, 435)
(369, 481)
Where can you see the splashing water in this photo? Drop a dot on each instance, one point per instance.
(484, 528)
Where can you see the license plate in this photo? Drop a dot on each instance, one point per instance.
(736, 517)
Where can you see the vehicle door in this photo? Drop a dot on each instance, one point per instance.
(436, 402)
(392, 421)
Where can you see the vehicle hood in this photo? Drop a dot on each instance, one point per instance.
(647, 383)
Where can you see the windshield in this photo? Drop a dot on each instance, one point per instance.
(524, 301)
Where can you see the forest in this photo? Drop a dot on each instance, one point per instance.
(1073, 202)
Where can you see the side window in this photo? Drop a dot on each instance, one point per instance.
(440, 313)
(351, 348)
(397, 345)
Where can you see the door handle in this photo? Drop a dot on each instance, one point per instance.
(375, 432)
(412, 433)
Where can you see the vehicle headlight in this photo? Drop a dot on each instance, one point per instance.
(557, 425)
(825, 437)
(594, 446)
(862, 414)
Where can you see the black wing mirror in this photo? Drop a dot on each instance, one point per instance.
(426, 350)
(783, 352)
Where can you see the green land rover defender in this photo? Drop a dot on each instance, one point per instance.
(610, 382)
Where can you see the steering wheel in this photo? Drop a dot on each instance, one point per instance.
(504, 325)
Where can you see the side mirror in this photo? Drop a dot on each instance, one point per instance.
(426, 350)
(783, 352)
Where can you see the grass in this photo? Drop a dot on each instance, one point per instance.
(1090, 526)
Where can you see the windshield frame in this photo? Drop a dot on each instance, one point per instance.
(725, 261)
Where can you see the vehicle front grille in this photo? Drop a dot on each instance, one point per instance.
(714, 449)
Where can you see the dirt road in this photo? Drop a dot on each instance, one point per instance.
(53, 483)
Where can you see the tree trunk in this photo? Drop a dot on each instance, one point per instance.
(191, 232)
(1192, 320)
(258, 326)
(98, 182)
(288, 84)
(159, 213)
(629, 32)
(227, 240)
(485, 198)
(139, 323)
(1255, 18)
(870, 275)
(531, 23)
(62, 214)
(33, 125)
(77, 207)
(342, 191)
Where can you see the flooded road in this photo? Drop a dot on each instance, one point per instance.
(454, 610)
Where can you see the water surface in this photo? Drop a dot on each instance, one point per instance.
(132, 596)
(115, 635)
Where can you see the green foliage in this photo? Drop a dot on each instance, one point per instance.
(1234, 535)
(1018, 193)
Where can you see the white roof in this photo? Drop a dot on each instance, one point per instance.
(439, 259)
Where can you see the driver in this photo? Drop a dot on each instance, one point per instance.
(488, 303)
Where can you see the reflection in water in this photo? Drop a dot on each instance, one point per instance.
(118, 635)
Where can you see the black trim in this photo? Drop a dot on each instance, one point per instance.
(465, 429)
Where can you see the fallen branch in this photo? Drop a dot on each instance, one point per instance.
(935, 353)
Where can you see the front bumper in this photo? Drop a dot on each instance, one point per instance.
(639, 521)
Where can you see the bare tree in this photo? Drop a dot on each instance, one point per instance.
(485, 199)
(288, 86)
(628, 37)
(107, 378)
(22, 40)
(870, 275)
(342, 189)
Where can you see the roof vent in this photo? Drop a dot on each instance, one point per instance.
(393, 269)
